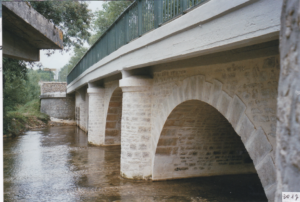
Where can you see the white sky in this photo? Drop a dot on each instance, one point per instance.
(58, 60)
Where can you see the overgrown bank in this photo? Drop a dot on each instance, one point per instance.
(25, 117)
(21, 92)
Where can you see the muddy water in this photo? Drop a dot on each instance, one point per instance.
(56, 164)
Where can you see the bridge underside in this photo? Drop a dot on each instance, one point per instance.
(208, 115)
(197, 140)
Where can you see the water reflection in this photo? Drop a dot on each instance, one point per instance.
(56, 164)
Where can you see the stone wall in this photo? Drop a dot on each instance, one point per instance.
(113, 119)
(53, 87)
(241, 85)
(288, 109)
(197, 140)
(61, 108)
(136, 130)
(237, 92)
(55, 102)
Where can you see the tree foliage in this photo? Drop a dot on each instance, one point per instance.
(106, 17)
(72, 17)
(103, 19)
(78, 53)
(14, 85)
(45, 75)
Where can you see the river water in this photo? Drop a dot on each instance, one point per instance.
(57, 164)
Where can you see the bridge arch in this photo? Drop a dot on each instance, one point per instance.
(113, 113)
(195, 95)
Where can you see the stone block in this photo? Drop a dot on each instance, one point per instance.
(193, 88)
(182, 93)
(112, 117)
(223, 103)
(235, 111)
(113, 110)
(166, 151)
(270, 192)
(206, 91)
(258, 146)
(109, 141)
(115, 104)
(168, 132)
(245, 129)
(167, 141)
(175, 95)
(200, 81)
(215, 93)
(111, 133)
(266, 171)
(187, 89)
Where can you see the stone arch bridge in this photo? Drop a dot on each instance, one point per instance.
(195, 97)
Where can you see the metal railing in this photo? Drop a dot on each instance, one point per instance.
(140, 17)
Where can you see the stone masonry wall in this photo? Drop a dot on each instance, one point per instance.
(61, 108)
(111, 136)
(288, 109)
(242, 86)
(113, 120)
(96, 116)
(197, 140)
(51, 87)
(254, 81)
(136, 127)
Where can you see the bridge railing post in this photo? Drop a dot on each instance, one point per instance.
(158, 13)
(140, 17)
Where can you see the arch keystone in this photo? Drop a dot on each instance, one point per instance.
(193, 87)
(200, 81)
(215, 93)
(206, 91)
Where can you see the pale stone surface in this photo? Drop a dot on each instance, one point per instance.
(61, 108)
(136, 147)
(197, 140)
(96, 123)
(258, 146)
(113, 119)
(249, 99)
(267, 173)
(112, 113)
(53, 87)
(55, 102)
(81, 109)
(288, 106)
(242, 86)
(246, 128)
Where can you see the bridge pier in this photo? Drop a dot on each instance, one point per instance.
(136, 159)
(96, 123)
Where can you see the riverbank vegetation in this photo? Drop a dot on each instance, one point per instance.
(21, 93)
(21, 90)
(101, 21)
